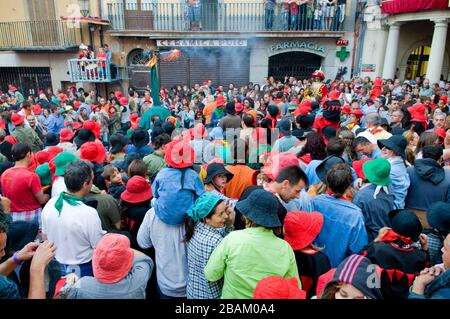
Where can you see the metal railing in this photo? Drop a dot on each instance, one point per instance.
(95, 71)
(38, 35)
(234, 17)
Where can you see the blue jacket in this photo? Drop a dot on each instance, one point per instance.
(439, 288)
(174, 198)
(375, 211)
(343, 232)
(430, 183)
(55, 123)
(399, 181)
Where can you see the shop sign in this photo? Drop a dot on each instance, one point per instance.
(297, 45)
(201, 43)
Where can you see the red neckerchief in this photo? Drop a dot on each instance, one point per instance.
(329, 192)
(390, 236)
(376, 130)
(273, 119)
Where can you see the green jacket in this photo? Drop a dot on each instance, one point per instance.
(154, 162)
(163, 113)
(28, 136)
(244, 257)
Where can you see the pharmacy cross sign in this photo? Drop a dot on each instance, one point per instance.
(342, 54)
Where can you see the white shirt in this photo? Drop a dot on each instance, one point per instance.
(75, 232)
(68, 147)
(58, 186)
(170, 253)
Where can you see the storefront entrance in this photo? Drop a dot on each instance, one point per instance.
(417, 62)
(297, 64)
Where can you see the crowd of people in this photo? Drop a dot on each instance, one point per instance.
(285, 189)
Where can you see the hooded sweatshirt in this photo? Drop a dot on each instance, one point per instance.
(430, 183)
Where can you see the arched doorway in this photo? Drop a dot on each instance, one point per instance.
(297, 64)
(139, 74)
(417, 62)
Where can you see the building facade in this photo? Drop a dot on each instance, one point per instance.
(38, 37)
(406, 39)
(231, 41)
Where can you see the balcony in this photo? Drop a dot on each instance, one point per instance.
(95, 71)
(53, 35)
(214, 17)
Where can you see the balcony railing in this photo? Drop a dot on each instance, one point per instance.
(95, 71)
(38, 35)
(223, 17)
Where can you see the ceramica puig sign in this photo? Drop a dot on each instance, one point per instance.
(297, 45)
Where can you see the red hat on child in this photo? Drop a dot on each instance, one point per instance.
(138, 190)
(65, 135)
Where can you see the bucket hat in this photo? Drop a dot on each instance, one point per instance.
(378, 171)
(138, 190)
(405, 223)
(396, 143)
(215, 169)
(301, 228)
(112, 258)
(62, 160)
(260, 207)
(179, 154)
(327, 164)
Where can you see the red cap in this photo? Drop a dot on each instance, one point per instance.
(346, 109)
(76, 105)
(37, 109)
(95, 106)
(62, 97)
(440, 132)
(358, 113)
(42, 157)
(17, 119)
(134, 117)
(357, 166)
(2, 124)
(148, 99)
(123, 101)
(135, 124)
(179, 154)
(205, 83)
(275, 287)
(220, 100)
(92, 126)
(302, 110)
(277, 162)
(65, 135)
(93, 152)
(301, 228)
(334, 95)
(12, 88)
(444, 98)
(112, 258)
(76, 125)
(118, 94)
(10, 139)
(138, 190)
(418, 113)
(238, 107)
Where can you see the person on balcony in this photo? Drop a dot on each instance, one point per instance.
(194, 11)
(269, 9)
(293, 8)
(101, 55)
(285, 15)
(329, 13)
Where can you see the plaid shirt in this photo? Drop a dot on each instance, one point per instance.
(434, 248)
(29, 216)
(199, 248)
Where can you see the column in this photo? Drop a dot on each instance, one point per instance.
(436, 59)
(390, 58)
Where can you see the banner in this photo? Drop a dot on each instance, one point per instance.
(399, 6)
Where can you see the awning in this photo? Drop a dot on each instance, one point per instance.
(91, 20)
